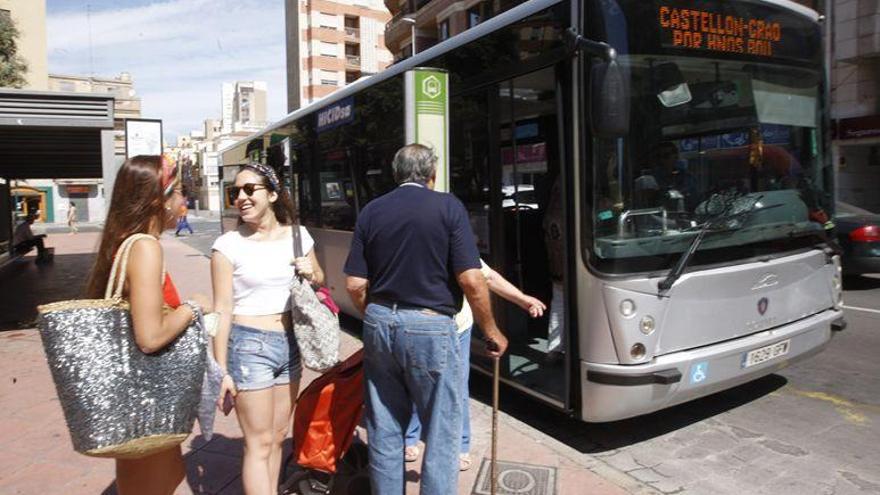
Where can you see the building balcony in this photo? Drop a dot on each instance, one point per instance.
(424, 12)
(397, 29)
(352, 61)
(352, 34)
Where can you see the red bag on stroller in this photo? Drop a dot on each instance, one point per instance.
(327, 413)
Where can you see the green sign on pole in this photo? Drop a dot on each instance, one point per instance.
(427, 116)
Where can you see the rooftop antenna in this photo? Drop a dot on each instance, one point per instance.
(89, 22)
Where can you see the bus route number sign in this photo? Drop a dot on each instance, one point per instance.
(704, 29)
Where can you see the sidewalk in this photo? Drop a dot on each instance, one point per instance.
(35, 449)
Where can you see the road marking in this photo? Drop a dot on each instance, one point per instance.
(866, 310)
(846, 408)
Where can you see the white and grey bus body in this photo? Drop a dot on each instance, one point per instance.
(702, 331)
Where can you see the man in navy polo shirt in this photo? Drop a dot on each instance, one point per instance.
(414, 253)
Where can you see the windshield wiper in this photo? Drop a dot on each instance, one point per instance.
(706, 227)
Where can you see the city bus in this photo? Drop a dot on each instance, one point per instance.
(656, 171)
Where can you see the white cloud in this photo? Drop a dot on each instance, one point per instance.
(178, 52)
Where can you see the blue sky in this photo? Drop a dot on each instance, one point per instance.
(177, 51)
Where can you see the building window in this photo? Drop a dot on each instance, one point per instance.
(352, 54)
(329, 78)
(443, 30)
(329, 49)
(352, 26)
(327, 21)
(352, 76)
(473, 16)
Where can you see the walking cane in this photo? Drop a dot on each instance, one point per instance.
(493, 463)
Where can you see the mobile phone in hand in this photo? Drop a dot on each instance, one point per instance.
(228, 403)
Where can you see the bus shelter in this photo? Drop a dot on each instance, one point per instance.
(51, 135)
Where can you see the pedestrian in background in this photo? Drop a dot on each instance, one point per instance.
(182, 222)
(145, 196)
(71, 219)
(464, 322)
(412, 255)
(251, 273)
(23, 240)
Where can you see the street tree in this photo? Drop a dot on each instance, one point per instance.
(12, 66)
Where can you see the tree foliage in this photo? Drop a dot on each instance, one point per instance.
(12, 66)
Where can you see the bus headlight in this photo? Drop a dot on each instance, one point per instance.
(627, 308)
(647, 325)
(637, 351)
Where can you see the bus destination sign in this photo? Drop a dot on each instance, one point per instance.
(704, 29)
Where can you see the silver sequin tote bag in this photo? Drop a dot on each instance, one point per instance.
(118, 401)
(315, 327)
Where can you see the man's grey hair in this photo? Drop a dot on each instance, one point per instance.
(414, 163)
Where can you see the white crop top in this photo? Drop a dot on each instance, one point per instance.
(262, 271)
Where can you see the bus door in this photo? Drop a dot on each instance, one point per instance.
(506, 167)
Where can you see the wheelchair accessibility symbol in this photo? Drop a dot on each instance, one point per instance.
(699, 372)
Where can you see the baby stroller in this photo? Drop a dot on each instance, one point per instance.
(324, 447)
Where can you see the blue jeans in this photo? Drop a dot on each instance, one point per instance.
(412, 357)
(183, 224)
(414, 431)
(261, 359)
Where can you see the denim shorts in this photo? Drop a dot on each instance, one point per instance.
(261, 359)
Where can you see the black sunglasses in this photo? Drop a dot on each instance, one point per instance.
(248, 189)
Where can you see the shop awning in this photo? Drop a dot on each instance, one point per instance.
(45, 135)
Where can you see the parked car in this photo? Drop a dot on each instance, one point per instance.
(858, 232)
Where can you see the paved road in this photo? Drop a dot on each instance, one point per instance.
(205, 232)
(811, 428)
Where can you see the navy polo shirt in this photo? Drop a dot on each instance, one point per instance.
(410, 244)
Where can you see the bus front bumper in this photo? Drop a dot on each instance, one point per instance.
(612, 391)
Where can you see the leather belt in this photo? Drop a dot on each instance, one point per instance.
(400, 305)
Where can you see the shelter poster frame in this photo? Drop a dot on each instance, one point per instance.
(143, 137)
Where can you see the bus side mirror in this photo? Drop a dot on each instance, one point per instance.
(609, 100)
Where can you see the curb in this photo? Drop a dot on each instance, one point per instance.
(590, 462)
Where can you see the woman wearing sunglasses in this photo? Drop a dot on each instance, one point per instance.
(251, 271)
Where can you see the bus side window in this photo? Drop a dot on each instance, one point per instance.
(336, 191)
(309, 213)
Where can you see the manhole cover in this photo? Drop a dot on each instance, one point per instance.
(516, 479)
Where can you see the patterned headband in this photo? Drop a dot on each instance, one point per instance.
(169, 177)
(266, 171)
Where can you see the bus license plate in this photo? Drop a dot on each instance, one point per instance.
(766, 353)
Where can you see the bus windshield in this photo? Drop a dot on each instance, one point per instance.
(724, 118)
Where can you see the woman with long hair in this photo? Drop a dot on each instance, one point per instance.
(251, 271)
(146, 197)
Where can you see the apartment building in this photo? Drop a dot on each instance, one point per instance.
(242, 106)
(855, 100)
(331, 44)
(417, 25)
(30, 19)
(126, 102)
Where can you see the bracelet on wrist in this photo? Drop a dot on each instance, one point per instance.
(194, 308)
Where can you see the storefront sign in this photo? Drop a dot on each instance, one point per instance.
(78, 189)
(859, 127)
